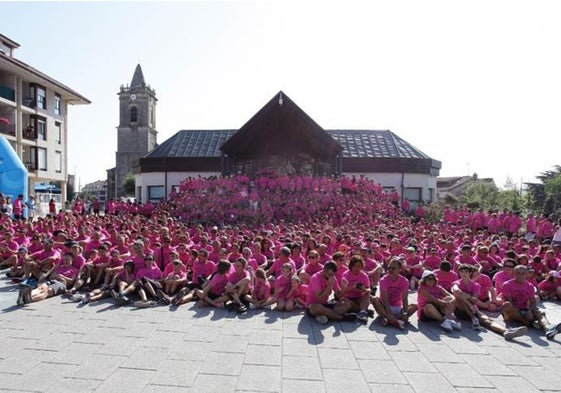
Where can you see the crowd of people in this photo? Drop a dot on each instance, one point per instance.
(341, 249)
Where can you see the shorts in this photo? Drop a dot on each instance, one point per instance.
(57, 287)
(213, 296)
(396, 310)
(460, 314)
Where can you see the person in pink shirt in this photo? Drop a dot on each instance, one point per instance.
(239, 284)
(311, 267)
(282, 286)
(283, 257)
(173, 278)
(355, 288)
(213, 291)
(296, 255)
(392, 304)
(520, 304)
(124, 283)
(445, 275)
(466, 293)
(322, 285)
(550, 287)
(42, 261)
(487, 299)
(261, 292)
(436, 303)
(412, 269)
(503, 276)
(432, 261)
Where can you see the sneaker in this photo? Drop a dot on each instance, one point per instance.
(447, 325)
(241, 309)
(230, 306)
(321, 319)
(456, 324)
(475, 323)
(363, 317)
(76, 298)
(114, 294)
(553, 330)
(86, 298)
(370, 313)
(350, 317)
(515, 332)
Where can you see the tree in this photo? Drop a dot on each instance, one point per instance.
(129, 184)
(480, 195)
(553, 191)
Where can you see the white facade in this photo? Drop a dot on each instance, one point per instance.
(34, 109)
(416, 187)
(156, 186)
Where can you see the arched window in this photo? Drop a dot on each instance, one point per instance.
(134, 114)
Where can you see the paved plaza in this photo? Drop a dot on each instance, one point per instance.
(58, 346)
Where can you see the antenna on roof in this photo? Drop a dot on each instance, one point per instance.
(280, 99)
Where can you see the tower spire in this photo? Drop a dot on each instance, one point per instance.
(138, 78)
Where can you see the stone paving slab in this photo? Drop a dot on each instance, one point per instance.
(58, 346)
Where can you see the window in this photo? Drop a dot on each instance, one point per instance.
(156, 193)
(40, 95)
(42, 158)
(58, 162)
(134, 114)
(413, 194)
(41, 129)
(58, 127)
(57, 105)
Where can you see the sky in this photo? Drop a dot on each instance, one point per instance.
(473, 84)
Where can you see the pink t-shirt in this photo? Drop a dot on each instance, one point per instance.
(500, 278)
(203, 269)
(262, 290)
(486, 284)
(282, 286)
(435, 291)
(470, 287)
(519, 292)
(318, 282)
(395, 289)
(218, 284)
(445, 279)
(352, 279)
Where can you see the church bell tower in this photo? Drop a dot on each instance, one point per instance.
(136, 133)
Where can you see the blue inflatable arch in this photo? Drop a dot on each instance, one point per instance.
(13, 174)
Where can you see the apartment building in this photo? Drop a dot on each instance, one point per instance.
(34, 117)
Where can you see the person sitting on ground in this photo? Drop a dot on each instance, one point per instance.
(466, 292)
(124, 283)
(238, 284)
(436, 303)
(393, 304)
(355, 288)
(487, 299)
(520, 304)
(213, 291)
(261, 293)
(322, 285)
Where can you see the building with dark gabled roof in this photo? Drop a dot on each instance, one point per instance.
(281, 138)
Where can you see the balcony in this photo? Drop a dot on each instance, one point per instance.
(7, 93)
(8, 129)
(29, 102)
(29, 133)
